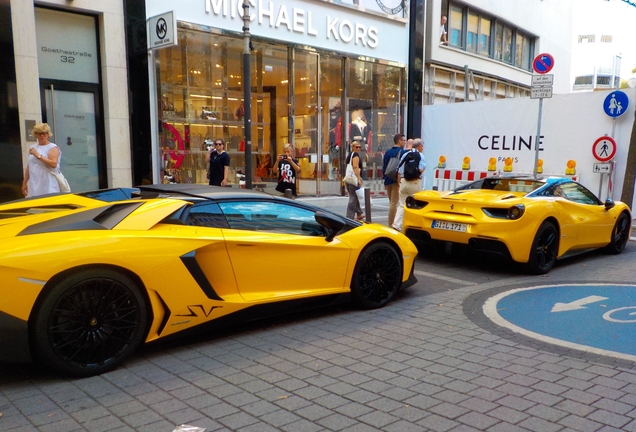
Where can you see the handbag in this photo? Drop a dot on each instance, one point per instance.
(61, 180)
(350, 176)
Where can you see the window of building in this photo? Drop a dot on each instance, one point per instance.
(455, 26)
(583, 80)
(589, 38)
(475, 31)
(484, 36)
(498, 41)
(606, 39)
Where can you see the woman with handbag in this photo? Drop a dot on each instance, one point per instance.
(353, 181)
(42, 175)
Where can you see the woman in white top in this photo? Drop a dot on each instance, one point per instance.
(44, 157)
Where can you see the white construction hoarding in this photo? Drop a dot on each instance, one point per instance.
(507, 128)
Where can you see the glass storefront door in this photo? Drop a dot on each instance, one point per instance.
(73, 121)
(305, 124)
(331, 130)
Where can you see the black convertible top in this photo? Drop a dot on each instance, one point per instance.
(198, 190)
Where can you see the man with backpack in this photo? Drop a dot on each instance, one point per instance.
(410, 170)
(389, 171)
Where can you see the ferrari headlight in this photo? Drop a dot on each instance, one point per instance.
(415, 204)
(511, 213)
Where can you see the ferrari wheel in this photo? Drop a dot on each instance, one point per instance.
(377, 276)
(620, 234)
(545, 248)
(89, 323)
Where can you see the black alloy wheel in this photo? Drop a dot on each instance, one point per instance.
(620, 234)
(377, 276)
(544, 250)
(89, 323)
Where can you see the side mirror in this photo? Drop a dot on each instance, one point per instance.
(609, 204)
(331, 222)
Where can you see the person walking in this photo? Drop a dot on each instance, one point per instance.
(391, 182)
(219, 162)
(416, 142)
(286, 167)
(44, 158)
(412, 165)
(354, 211)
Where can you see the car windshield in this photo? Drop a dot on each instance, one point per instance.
(504, 184)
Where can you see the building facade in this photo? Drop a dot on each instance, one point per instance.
(490, 48)
(67, 68)
(321, 73)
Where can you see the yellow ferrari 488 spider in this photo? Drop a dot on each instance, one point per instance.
(533, 221)
(87, 277)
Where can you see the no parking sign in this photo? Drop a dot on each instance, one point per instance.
(543, 63)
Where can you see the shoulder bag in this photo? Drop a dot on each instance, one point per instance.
(61, 180)
(350, 175)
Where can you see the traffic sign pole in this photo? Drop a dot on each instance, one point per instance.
(536, 142)
(541, 88)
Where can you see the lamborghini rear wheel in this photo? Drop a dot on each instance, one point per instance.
(90, 322)
(544, 249)
(377, 276)
(620, 234)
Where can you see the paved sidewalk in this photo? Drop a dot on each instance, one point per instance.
(426, 362)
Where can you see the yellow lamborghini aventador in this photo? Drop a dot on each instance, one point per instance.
(531, 220)
(87, 277)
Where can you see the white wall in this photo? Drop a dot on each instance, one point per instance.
(548, 19)
(570, 125)
(601, 17)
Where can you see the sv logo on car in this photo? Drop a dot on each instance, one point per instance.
(452, 206)
(193, 313)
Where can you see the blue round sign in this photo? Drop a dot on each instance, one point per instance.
(616, 103)
(543, 63)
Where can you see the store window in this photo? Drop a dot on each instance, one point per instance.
(297, 97)
(375, 100)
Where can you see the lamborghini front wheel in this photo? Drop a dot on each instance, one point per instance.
(377, 276)
(89, 322)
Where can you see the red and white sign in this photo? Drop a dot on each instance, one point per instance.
(543, 63)
(604, 149)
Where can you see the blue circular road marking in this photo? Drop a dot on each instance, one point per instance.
(597, 318)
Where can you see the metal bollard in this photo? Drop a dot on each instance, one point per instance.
(288, 193)
(367, 205)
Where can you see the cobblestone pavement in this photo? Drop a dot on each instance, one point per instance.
(429, 361)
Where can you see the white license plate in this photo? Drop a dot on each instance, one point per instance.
(450, 226)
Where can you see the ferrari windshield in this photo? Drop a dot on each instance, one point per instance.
(504, 184)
